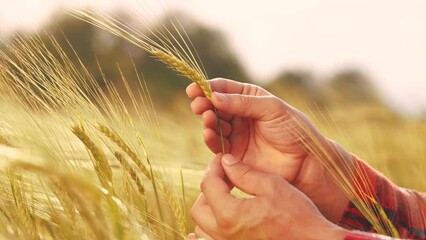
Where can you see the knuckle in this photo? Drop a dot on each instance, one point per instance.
(276, 102)
(242, 173)
(247, 89)
(218, 80)
(193, 106)
(254, 90)
(228, 221)
(244, 100)
(224, 220)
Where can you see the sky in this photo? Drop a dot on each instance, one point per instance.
(384, 38)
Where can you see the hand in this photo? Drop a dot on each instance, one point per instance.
(277, 210)
(262, 131)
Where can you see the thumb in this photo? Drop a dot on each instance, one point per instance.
(243, 176)
(257, 107)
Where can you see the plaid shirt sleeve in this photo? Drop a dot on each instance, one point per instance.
(405, 208)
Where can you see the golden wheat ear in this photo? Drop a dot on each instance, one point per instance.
(170, 48)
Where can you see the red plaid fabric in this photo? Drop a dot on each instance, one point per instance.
(405, 208)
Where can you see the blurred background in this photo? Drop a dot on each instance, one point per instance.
(357, 64)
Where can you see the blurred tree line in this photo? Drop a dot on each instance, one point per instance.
(348, 89)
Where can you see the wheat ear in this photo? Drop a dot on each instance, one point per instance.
(148, 173)
(131, 171)
(100, 162)
(22, 209)
(191, 73)
(184, 68)
(173, 50)
(176, 208)
(120, 143)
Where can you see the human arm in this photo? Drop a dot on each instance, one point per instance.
(405, 208)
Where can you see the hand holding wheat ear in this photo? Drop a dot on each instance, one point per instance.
(256, 129)
(270, 136)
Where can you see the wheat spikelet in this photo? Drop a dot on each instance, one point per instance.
(22, 210)
(176, 208)
(4, 141)
(83, 195)
(184, 68)
(164, 45)
(100, 162)
(132, 173)
(67, 205)
(60, 91)
(117, 140)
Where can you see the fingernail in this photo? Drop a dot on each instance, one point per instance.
(219, 96)
(228, 159)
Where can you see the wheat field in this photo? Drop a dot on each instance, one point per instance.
(81, 161)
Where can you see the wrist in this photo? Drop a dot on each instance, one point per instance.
(358, 235)
(329, 232)
(338, 233)
(329, 197)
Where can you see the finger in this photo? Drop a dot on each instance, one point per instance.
(217, 191)
(193, 91)
(214, 142)
(202, 215)
(200, 234)
(233, 87)
(201, 104)
(191, 236)
(244, 177)
(225, 116)
(227, 86)
(210, 121)
(239, 137)
(257, 107)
